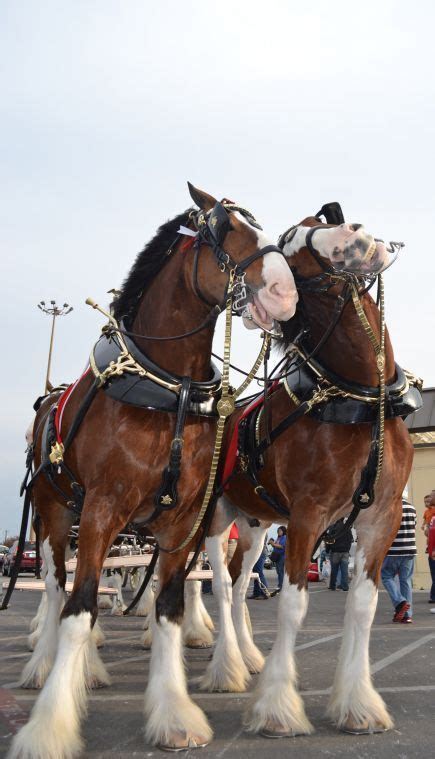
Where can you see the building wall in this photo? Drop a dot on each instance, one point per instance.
(421, 482)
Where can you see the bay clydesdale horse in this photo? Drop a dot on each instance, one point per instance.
(313, 469)
(118, 456)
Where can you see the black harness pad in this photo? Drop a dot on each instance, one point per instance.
(401, 398)
(143, 391)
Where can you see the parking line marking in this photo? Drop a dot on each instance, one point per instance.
(230, 743)
(318, 641)
(382, 663)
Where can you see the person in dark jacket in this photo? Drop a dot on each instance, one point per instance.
(339, 548)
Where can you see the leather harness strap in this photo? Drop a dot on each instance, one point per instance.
(166, 496)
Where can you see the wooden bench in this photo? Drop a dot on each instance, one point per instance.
(40, 585)
(128, 562)
(117, 562)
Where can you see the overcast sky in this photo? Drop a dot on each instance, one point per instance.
(108, 108)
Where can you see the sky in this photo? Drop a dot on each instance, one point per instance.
(108, 107)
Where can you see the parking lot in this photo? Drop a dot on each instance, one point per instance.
(403, 658)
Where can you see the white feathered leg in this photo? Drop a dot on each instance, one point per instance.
(42, 608)
(196, 634)
(227, 671)
(172, 717)
(355, 705)
(37, 669)
(98, 635)
(118, 603)
(206, 618)
(277, 708)
(147, 637)
(53, 731)
(146, 602)
(252, 656)
(37, 623)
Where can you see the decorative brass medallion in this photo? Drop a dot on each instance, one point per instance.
(225, 406)
(56, 453)
(166, 500)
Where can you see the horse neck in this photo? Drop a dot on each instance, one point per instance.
(348, 352)
(170, 307)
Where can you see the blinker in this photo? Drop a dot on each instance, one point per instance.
(219, 223)
(332, 213)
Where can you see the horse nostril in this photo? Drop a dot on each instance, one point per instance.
(355, 227)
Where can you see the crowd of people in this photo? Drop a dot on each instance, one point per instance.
(334, 556)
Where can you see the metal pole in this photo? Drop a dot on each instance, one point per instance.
(52, 310)
(48, 384)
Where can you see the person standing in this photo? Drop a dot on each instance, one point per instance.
(429, 512)
(400, 561)
(340, 547)
(261, 590)
(431, 558)
(278, 554)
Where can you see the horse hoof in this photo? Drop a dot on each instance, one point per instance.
(354, 728)
(198, 643)
(278, 733)
(94, 683)
(182, 743)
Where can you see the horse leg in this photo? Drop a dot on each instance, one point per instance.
(196, 634)
(355, 706)
(38, 619)
(146, 602)
(105, 602)
(98, 635)
(53, 731)
(174, 721)
(147, 637)
(37, 623)
(115, 581)
(254, 539)
(277, 709)
(55, 528)
(227, 671)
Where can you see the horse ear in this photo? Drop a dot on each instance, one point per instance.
(203, 200)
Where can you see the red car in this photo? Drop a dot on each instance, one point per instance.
(28, 562)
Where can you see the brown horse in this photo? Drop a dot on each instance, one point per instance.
(118, 456)
(313, 468)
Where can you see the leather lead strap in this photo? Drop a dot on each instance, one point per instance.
(148, 576)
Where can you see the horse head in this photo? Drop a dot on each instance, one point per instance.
(344, 247)
(265, 287)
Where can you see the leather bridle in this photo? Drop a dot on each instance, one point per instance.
(212, 228)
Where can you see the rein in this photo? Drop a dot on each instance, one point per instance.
(225, 408)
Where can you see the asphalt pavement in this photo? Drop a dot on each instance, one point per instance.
(403, 657)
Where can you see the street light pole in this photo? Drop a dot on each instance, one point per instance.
(52, 310)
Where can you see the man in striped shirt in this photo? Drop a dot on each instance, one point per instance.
(398, 566)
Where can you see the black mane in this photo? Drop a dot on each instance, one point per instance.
(148, 262)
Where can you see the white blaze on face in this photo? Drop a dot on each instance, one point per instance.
(347, 246)
(278, 298)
